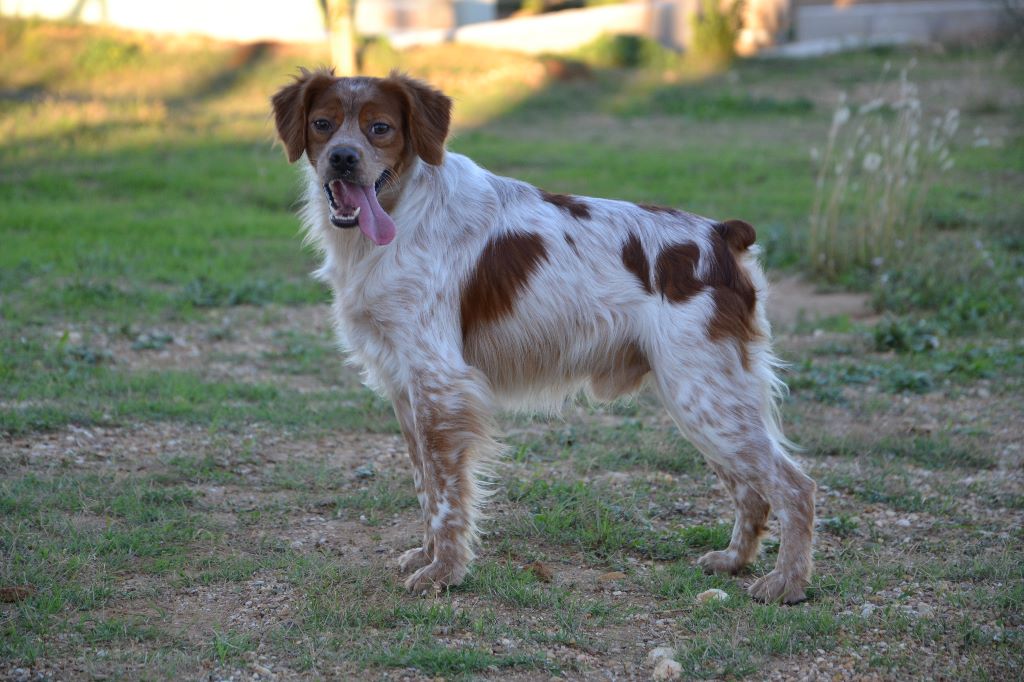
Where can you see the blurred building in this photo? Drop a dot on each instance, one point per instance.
(300, 21)
(410, 22)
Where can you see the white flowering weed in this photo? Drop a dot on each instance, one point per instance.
(874, 174)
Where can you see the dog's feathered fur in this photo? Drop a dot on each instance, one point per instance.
(495, 293)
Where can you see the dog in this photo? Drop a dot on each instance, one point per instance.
(458, 291)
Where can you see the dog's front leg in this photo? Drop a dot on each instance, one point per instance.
(417, 557)
(453, 429)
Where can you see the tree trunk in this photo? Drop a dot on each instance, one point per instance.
(341, 35)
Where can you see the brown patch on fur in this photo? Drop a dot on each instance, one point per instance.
(635, 260)
(676, 272)
(428, 115)
(734, 294)
(739, 235)
(571, 242)
(501, 273)
(623, 372)
(652, 208)
(450, 432)
(292, 106)
(572, 205)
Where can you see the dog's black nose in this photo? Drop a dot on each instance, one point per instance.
(344, 159)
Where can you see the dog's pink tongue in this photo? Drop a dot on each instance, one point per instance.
(373, 221)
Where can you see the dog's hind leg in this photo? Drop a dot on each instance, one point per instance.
(417, 557)
(726, 410)
(751, 523)
(451, 408)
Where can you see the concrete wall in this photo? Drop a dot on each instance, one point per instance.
(298, 20)
(937, 20)
(554, 32)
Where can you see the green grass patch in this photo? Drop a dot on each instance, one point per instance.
(435, 659)
(604, 523)
(893, 488)
(74, 534)
(938, 452)
(382, 498)
(630, 445)
(923, 364)
(229, 647)
(298, 352)
(54, 386)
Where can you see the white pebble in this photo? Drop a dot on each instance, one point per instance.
(713, 594)
(655, 655)
(667, 669)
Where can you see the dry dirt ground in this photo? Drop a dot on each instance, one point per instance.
(289, 573)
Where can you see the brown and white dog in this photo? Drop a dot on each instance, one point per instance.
(461, 291)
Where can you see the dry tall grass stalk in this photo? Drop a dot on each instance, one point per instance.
(874, 175)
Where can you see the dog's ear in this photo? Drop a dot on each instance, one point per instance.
(428, 116)
(291, 106)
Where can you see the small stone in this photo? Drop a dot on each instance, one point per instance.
(365, 471)
(655, 655)
(867, 610)
(262, 670)
(714, 594)
(667, 669)
(610, 576)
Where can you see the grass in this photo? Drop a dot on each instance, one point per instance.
(192, 483)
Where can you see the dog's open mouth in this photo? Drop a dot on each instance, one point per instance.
(354, 205)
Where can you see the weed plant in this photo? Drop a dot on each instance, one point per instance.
(879, 163)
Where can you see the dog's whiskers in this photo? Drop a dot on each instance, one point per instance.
(389, 180)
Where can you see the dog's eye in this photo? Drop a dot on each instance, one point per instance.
(379, 128)
(321, 125)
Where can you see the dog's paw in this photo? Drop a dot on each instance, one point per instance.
(414, 559)
(778, 587)
(721, 562)
(434, 578)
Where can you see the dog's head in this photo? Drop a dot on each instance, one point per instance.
(361, 135)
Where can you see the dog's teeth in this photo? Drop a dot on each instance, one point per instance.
(330, 196)
(355, 213)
